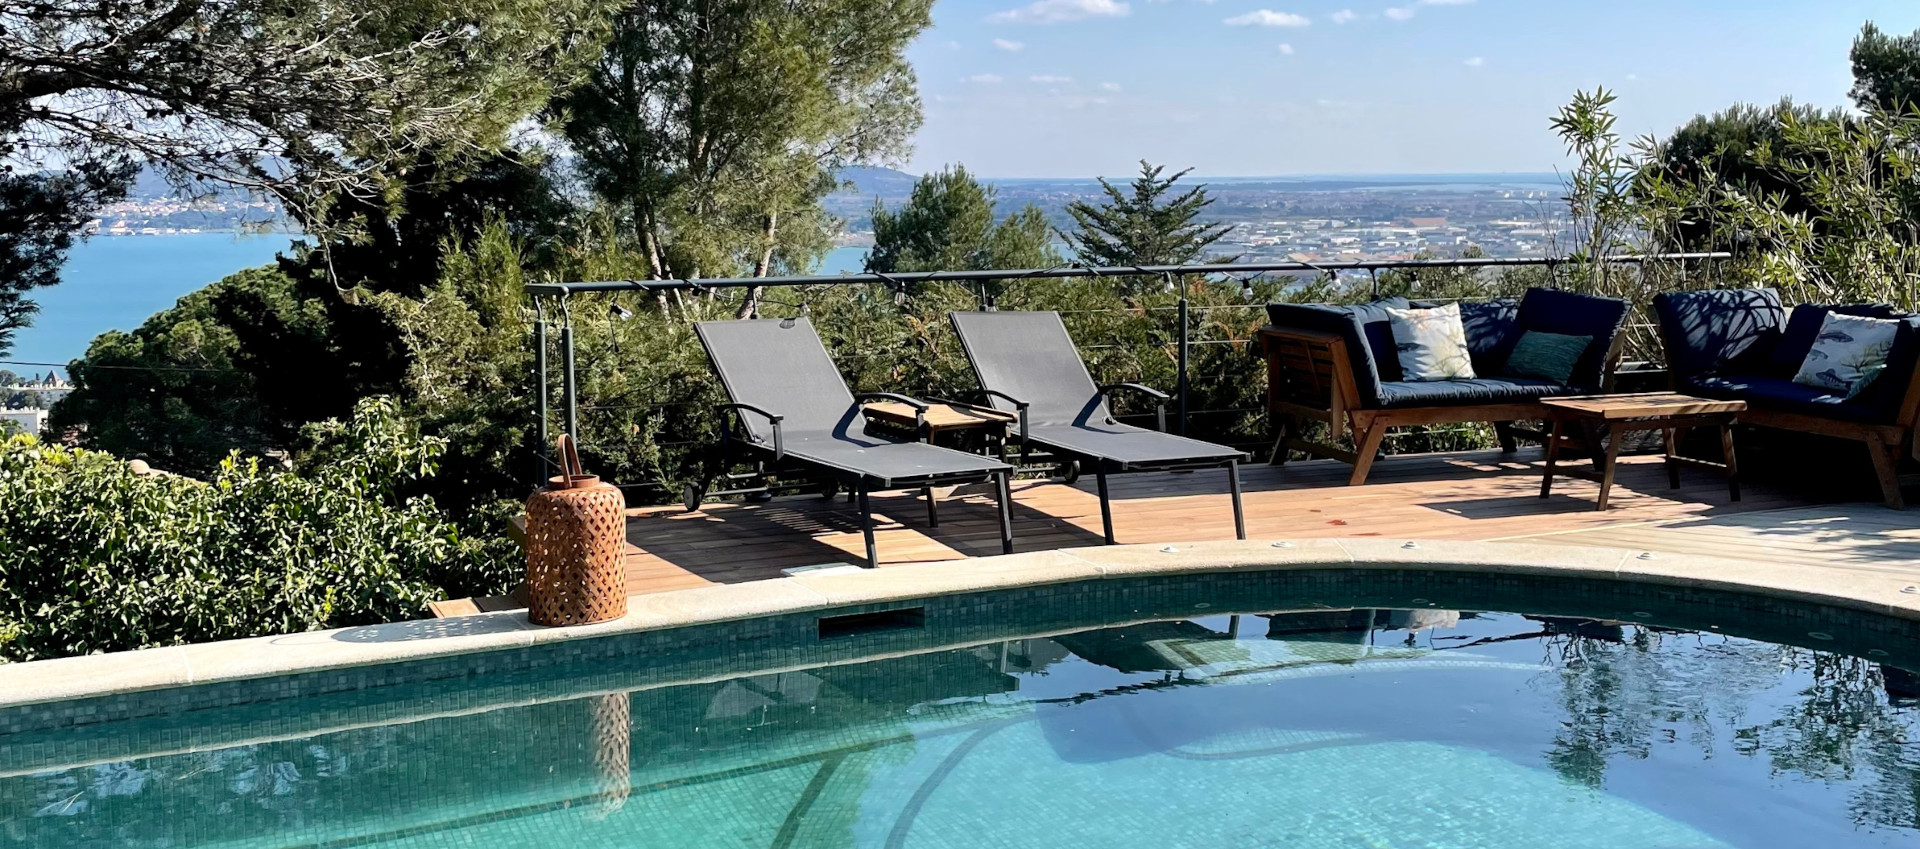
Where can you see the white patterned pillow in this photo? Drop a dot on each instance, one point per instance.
(1848, 354)
(1432, 344)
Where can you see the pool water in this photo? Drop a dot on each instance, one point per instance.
(1366, 729)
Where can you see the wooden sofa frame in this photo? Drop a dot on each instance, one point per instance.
(1310, 379)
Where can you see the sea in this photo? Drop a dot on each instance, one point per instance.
(117, 282)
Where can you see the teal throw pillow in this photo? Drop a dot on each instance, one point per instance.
(1546, 356)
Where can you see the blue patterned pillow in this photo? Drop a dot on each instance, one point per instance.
(1848, 354)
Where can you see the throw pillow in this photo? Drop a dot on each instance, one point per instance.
(1432, 344)
(1848, 354)
(1546, 356)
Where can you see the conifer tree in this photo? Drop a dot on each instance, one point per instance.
(1144, 226)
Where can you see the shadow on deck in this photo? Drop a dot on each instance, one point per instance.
(1474, 495)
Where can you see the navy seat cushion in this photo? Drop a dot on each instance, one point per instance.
(1458, 393)
(1735, 330)
(1571, 314)
(1803, 326)
(1779, 393)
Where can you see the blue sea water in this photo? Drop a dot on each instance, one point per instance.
(116, 282)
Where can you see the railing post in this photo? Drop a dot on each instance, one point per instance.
(571, 388)
(1182, 384)
(540, 458)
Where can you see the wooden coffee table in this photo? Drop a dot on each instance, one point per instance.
(1605, 420)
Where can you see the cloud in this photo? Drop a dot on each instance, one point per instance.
(1009, 46)
(1401, 13)
(1287, 49)
(1268, 18)
(1057, 11)
(983, 79)
(1475, 62)
(1050, 79)
(1343, 16)
(1109, 86)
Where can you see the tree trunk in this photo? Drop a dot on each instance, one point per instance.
(650, 240)
(761, 266)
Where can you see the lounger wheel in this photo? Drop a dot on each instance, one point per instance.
(1070, 471)
(693, 495)
(831, 489)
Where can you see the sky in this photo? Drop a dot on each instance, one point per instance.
(1080, 88)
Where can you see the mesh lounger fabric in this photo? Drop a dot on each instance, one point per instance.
(1029, 356)
(780, 366)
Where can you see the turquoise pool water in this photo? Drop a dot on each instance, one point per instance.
(1366, 729)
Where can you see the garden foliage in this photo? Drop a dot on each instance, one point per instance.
(95, 556)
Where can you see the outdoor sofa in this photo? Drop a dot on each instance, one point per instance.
(1339, 365)
(1741, 344)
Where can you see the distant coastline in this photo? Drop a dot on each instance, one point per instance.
(115, 282)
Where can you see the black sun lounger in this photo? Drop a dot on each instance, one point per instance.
(798, 415)
(1028, 365)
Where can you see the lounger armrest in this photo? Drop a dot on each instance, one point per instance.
(915, 403)
(1160, 398)
(1019, 409)
(726, 430)
(919, 406)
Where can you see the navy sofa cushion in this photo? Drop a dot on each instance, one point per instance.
(1457, 393)
(1493, 327)
(1570, 314)
(1779, 393)
(1803, 326)
(1735, 330)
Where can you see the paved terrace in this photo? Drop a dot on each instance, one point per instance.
(1483, 496)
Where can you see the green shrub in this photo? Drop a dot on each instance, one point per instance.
(96, 557)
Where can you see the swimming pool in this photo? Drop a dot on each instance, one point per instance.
(1322, 727)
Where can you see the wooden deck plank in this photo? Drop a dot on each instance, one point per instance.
(1469, 496)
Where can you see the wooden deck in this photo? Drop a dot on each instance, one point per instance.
(1478, 496)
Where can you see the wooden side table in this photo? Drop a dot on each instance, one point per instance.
(980, 429)
(1603, 421)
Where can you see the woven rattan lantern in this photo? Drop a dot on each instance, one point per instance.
(576, 534)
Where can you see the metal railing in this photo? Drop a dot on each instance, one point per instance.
(559, 296)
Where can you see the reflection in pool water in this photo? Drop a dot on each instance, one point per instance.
(1368, 728)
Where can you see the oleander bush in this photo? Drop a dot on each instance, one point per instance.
(96, 556)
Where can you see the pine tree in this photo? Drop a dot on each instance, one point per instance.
(1886, 70)
(947, 224)
(1145, 227)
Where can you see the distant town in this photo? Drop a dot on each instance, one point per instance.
(1305, 219)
